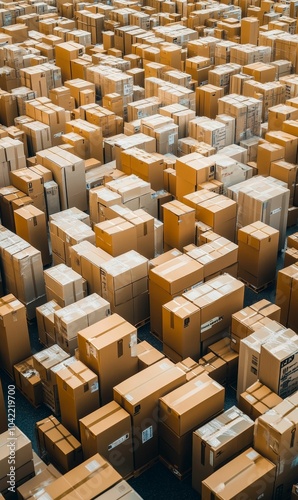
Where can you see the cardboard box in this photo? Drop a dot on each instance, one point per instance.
(243, 475)
(14, 334)
(279, 426)
(257, 253)
(257, 400)
(279, 363)
(219, 441)
(116, 236)
(139, 396)
(215, 366)
(286, 295)
(28, 381)
(223, 350)
(44, 360)
(57, 444)
(179, 225)
(44, 477)
(45, 322)
(30, 223)
(147, 355)
(96, 475)
(64, 285)
(111, 340)
(191, 404)
(168, 280)
(180, 327)
(108, 431)
(23, 457)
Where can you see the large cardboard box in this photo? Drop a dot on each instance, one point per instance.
(181, 327)
(44, 360)
(257, 253)
(279, 426)
(108, 431)
(86, 481)
(43, 477)
(45, 322)
(257, 400)
(279, 363)
(247, 320)
(64, 285)
(179, 225)
(109, 342)
(168, 280)
(191, 404)
(30, 183)
(57, 444)
(286, 295)
(14, 334)
(244, 475)
(30, 223)
(78, 394)
(14, 443)
(139, 396)
(116, 236)
(217, 442)
(220, 214)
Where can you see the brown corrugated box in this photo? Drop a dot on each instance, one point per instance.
(147, 355)
(108, 431)
(257, 400)
(28, 381)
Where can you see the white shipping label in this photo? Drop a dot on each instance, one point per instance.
(209, 324)
(275, 211)
(94, 387)
(133, 345)
(171, 139)
(147, 434)
(92, 466)
(211, 458)
(118, 441)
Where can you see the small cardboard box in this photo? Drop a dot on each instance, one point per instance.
(28, 381)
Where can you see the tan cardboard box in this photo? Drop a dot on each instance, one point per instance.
(168, 280)
(116, 236)
(286, 295)
(30, 223)
(23, 456)
(108, 431)
(139, 396)
(257, 400)
(64, 285)
(14, 334)
(179, 224)
(278, 363)
(244, 475)
(44, 360)
(109, 341)
(292, 241)
(45, 322)
(191, 404)
(87, 480)
(257, 253)
(215, 366)
(180, 327)
(60, 447)
(219, 441)
(279, 424)
(223, 350)
(78, 394)
(28, 381)
(44, 477)
(147, 355)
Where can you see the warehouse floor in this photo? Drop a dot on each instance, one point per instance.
(157, 482)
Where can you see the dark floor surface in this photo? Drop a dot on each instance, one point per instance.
(157, 482)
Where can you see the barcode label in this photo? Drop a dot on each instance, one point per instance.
(147, 434)
(92, 466)
(118, 441)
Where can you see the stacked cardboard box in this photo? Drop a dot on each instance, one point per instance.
(28, 381)
(286, 295)
(179, 225)
(181, 411)
(57, 445)
(220, 440)
(31, 183)
(247, 320)
(15, 341)
(279, 424)
(15, 442)
(78, 392)
(149, 385)
(109, 342)
(108, 431)
(30, 224)
(43, 361)
(74, 317)
(64, 285)
(148, 167)
(45, 322)
(257, 400)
